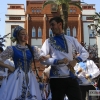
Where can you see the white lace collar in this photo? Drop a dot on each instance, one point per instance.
(21, 46)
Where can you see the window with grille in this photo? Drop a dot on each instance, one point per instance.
(33, 32)
(39, 32)
(74, 32)
(68, 31)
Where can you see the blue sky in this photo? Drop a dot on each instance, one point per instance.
(3, 10)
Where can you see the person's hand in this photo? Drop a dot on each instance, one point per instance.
(72, 63)
(63, 61)
(87, 76)
(1, 77)
(43, 58)
(79, 70)
(11, 69)
(71, 68)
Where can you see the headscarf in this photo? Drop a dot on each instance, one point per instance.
(17, 29)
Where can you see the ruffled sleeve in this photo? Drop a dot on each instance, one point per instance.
(36, 52)
(6, 54)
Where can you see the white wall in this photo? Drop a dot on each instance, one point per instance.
(86, 34)
(36, 42)
(93, 41)
(15, 12)
(88, 12)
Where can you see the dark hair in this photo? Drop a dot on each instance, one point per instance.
(57, 19)
(1, 49)
(30, 48)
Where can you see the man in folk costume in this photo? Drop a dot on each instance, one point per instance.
(60, 49)
(87, 71)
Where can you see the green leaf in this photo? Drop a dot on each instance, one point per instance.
(97, 14)
(58, 2)
(48, 2)
(67, 0)
(75, 4)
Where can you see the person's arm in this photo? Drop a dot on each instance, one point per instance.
(6, 54)
(53, 62)
(9, 62)
(83, 54)
(93, 70)
(44, 51)
(10, 68)
(36, 52)
(45, 56)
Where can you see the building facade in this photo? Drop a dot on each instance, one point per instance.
(37, 21)
(15, 16)
(88, 11)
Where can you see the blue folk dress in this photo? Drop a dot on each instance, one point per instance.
(22, 83)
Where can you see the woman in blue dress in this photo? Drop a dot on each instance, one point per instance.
(21, 84)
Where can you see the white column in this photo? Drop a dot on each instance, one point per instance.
(98, 44)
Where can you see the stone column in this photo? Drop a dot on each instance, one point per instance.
(44, 28)
(98, 45)
(79, 28)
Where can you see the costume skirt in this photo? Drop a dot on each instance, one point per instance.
(19, 86)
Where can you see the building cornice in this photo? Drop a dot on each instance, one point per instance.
(88, 9)
(87, 21)
(87, 4)
(35, 2)
(15, 21)
(50, 15)
(13, 15)
(88, 15)
(15, 4)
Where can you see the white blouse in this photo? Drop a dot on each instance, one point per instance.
(8, 52)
